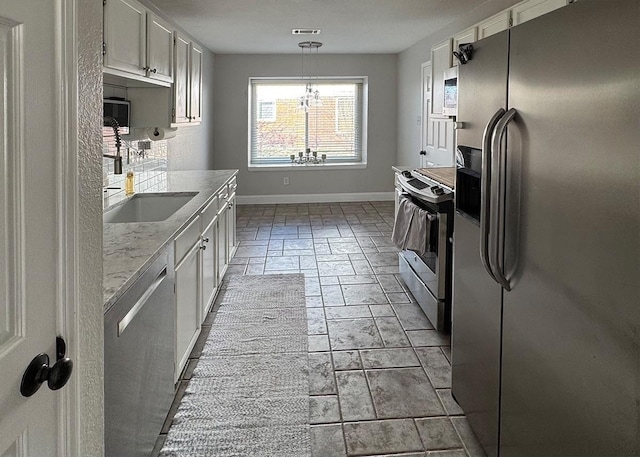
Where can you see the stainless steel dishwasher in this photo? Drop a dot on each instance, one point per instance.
(139, 334)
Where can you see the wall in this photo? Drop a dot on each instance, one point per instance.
(230, 131)
(409, 78)
(88, 372)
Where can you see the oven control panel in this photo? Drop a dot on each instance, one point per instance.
(424, 188)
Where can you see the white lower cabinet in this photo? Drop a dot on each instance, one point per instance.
(187, 288)
(202, 254)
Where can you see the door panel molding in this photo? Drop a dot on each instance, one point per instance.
(12, 157)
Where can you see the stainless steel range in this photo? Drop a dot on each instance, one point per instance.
(426, 269)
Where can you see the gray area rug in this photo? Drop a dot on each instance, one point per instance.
(249, 394)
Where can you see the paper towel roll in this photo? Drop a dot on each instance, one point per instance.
(158, 133)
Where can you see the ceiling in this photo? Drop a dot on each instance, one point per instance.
(348, 26)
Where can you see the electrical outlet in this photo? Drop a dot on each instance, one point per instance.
(286, 181)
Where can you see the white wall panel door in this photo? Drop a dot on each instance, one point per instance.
(34, 140)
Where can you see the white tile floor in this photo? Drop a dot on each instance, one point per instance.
(380, 375)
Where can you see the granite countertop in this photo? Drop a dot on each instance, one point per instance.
(129, 248)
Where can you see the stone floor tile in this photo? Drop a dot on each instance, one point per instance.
(298, 252)
(314, 301)
(398, 297)
(450, 404)
(322, 232)
(251, 251)
(325, 410)
(354, 334)
(312, 287)
(322, 248)
(436, 365)
(353, 257)
(282, 263)
(318, 343)
(412, 317)
(389, 283)
(391, 332)
(383, 259)
(452, 453)
(327, 441)
(376, 437)
(362, 267)
(332, 296)
(382, 311)
(389, 358)
(345, 248)
(385, 270)
(276, 245)
(333, 268)
(358, 279)
(403, 392)
(297, 244)
(428, 338)
(329, 280)
(308, 262)
(471, 443)
(321, 380)
(316, 323)
(355, 399)
(346, 312)
(346, 360)
(241, 260)
(332, 258)
(255, 270)
(446, 350)
(363, 294)
(438, 433)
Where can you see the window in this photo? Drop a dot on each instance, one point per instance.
(279, 128)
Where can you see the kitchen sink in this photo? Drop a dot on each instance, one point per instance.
(151, 207)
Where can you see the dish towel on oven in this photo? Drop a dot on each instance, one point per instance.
(411, 228)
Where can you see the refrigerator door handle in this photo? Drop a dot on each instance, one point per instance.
(485, 200)
(498, 171)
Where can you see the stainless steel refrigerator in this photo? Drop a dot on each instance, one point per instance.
(546, 306)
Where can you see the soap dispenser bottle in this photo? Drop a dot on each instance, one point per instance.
(128, 184)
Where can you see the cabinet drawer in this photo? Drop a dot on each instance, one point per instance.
(209, 213)
(186, 239)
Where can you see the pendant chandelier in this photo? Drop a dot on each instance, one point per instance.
(311, 95)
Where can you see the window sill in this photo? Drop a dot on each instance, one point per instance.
(308, 167)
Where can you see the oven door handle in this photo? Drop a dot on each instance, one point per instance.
(485, 192)
(498, 185)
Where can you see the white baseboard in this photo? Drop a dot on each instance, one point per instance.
(314, 198)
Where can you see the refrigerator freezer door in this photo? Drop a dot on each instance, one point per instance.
(571, 324)
(475, 336)
(482, 88)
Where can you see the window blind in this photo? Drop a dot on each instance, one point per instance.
(279, 128)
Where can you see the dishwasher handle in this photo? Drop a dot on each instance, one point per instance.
(135, 309)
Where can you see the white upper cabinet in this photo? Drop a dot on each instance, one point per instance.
(530, 9)
(137, 43)
(124, 36)
(187, 90)
(196, 83)
(467, 36)
(182, 85)
(159, 49)
(440, 61)
(494, 24)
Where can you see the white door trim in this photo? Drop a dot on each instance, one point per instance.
(66, 145)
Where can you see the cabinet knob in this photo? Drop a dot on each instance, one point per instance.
(154, 70)
(146, 68)
(203, 247)
(205, 240)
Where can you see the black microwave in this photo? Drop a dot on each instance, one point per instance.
(120, 110)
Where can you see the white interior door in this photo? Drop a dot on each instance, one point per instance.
(32, 266)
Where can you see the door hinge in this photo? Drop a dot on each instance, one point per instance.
(104, 2)
(104, 48)
(174, 41)
(510, 22)
(173, 113)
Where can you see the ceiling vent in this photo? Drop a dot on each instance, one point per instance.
(305, 31)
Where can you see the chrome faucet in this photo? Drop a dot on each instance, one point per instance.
(117, 159)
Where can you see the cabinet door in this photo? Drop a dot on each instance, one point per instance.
(468, 36)
(124, 36)
(494, 24)
(231, 226)
(196, 83)
(208, 258)
(531, 9)
(440, 61)
(187, 306)
(159, 49)
(181, 86)
(221, 240)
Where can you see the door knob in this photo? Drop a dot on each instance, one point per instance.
(39, 371)
(423, 153)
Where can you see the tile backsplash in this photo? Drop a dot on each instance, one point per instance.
(147, 159)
